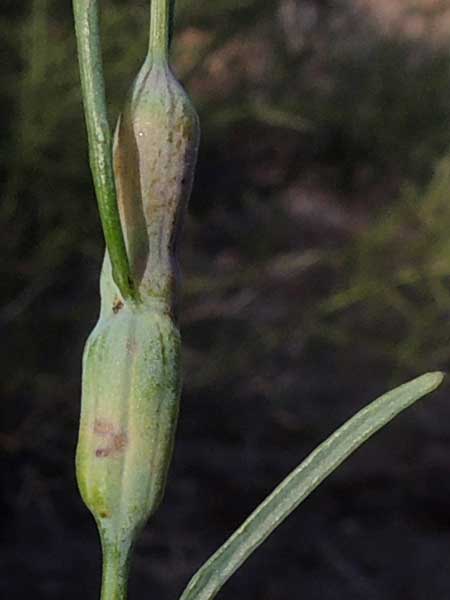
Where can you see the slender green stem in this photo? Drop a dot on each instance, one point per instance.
(161, 14)
(115, 573)
(100, 141)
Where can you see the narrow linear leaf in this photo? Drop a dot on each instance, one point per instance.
(211, 577)
(86, 15)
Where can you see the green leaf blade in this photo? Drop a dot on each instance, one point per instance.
(303, 480)
(86, 15)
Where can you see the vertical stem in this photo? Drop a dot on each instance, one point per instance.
(100, 142)
(114, 573)
(160, 25)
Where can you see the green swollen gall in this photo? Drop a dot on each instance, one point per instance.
(130, 397)
(131, 387)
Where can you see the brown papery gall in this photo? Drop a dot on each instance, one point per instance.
(155, 153)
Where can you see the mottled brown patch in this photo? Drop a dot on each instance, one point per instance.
(119, 441)
(102, 452)
(103, 427)
(118, 305)
(113, 443)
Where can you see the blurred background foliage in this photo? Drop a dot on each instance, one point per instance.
(316, 265)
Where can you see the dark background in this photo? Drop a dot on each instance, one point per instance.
(316, 261)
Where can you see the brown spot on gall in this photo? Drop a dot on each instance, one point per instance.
(113, 443)
(118, 305)
(102, 452)
(119, 442)
(103, 427)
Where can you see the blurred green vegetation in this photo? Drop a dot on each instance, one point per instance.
(395, 286)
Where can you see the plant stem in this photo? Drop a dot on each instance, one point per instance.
(114, 573)
(100, 141)
(161, 12)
